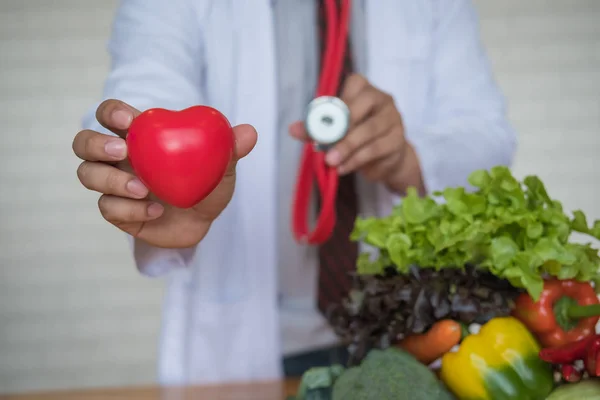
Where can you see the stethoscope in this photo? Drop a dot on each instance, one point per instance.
(326, 122)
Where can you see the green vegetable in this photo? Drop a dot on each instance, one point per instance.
(390, 374)
(317, 383)
(512, 229)
(583, 390)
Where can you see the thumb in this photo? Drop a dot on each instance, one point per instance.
(245, 137)
(245, 140)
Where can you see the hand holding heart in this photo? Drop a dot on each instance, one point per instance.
(127, 203)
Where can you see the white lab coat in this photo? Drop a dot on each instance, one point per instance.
(220, 311)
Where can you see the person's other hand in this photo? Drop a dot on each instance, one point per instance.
(126, 203)
(375, 144)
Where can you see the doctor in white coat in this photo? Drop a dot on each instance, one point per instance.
(240, 292)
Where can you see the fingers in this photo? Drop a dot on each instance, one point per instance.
(380, 148)
(119, 210)
(94, 146)
(361, 135)
(363, 98)
(367, 103)
(353, 86)
(116, 116)
(110, 180)
(121, 191)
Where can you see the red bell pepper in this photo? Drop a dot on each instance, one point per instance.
(567, 311)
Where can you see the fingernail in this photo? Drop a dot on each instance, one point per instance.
(116, 148)
(333, 158)
(137, 188)
(155, 210)
(121, 119)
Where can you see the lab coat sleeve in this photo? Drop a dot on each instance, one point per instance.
(155, 51)
(466, 127)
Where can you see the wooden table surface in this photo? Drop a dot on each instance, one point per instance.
(254, 391)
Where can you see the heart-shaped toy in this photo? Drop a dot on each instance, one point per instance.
(181, 156)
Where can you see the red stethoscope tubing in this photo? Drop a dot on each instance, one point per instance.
(312, 164)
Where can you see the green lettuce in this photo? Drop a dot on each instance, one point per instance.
(512, 229)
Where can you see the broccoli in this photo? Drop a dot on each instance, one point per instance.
(390, 374)
(317, 383)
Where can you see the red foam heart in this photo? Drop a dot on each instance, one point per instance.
(181, 156)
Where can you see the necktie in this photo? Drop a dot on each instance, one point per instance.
(337, 256)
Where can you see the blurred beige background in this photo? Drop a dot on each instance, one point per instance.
(73, 310)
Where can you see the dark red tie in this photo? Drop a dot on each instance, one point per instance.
(337, 256)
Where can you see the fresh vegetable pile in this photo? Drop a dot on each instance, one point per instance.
(484, 286)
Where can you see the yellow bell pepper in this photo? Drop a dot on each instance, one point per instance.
(500, 362)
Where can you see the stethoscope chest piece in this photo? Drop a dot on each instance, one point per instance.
(327, 120)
